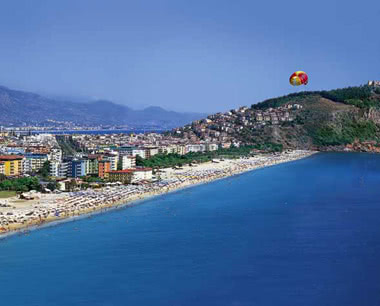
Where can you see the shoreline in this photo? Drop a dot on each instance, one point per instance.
(84, 204)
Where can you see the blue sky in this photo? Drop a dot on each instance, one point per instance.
(198, 55)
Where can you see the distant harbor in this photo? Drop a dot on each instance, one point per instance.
(93, 132)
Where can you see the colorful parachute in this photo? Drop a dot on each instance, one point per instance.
(298, 78)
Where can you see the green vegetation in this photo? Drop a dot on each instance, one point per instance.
(359, 96)
(67, 144)
(277, 102)
(348, 133)
(44, 172)
(20, 184)
(53, 185)
(7, 194)
(350, 93)
(171, 160)
(119, 165)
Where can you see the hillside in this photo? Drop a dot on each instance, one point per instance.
(347, 118)
(24, 108)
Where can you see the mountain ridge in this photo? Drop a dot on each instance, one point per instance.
(27, 108)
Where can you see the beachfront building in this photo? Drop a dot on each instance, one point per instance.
(141, 174)
(150, 151)
(34, 162)
(172, 149)
(195, 148)
(131, 151)
(212, 146)
(181, 149)
(55, 154)
(113, 159)
(129, 176)
(127, 162)
(138, 152)
(59, 169)
(2, 168)
(168, 149)
(77, 168)
(93, 164)
(54, 168)
(12, 164)
(104, 167)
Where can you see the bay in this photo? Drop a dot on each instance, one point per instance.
(300, 233)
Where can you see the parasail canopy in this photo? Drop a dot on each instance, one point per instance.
(298, 78)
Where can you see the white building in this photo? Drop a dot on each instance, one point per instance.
(211, 147)
(34, 162)
(58, 169)
(132, 151)
(195, 148)
(127, 162)
(141, 175)
(55, 154)
(139, 152)
(150, 151)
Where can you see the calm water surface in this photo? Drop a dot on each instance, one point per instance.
(302, 233)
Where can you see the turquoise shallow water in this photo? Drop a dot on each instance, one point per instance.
(301, 233)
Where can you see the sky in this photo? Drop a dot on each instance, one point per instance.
(194, 56)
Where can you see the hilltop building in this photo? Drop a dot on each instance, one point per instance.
(374, 83)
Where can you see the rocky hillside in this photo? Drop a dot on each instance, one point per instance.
(19, 107)
(327, 120)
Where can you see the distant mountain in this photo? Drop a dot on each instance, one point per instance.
(19, 107)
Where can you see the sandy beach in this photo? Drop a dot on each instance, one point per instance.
(21, 215)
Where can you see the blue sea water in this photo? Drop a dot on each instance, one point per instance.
(301, 233)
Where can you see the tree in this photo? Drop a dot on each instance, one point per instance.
(6, 185)
(45, 170)
(72, 185)
(139, 161)
(52, 186)
(3, 177)
(119, 165)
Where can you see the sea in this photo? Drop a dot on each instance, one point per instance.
(300, 233)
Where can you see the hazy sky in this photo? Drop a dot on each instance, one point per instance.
(187, 55)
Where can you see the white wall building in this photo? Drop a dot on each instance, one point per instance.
(195, 148)
(127, 162)
(58, 169)
(141, 175)
(212, 146)
(55, 155)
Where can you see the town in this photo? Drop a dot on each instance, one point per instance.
(112, 157)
